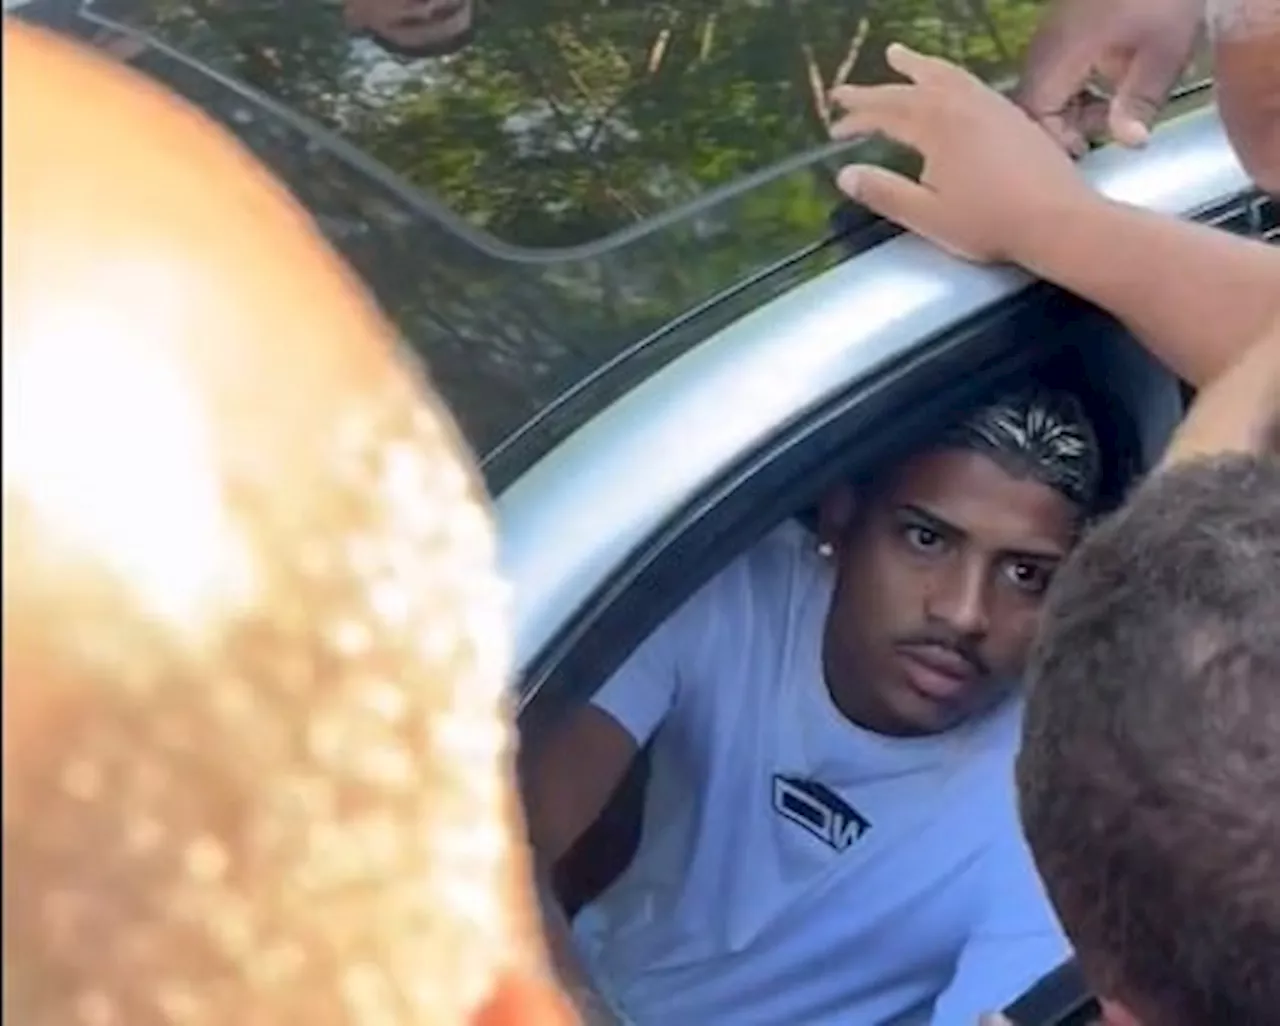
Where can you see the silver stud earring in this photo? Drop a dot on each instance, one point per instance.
(826, 550)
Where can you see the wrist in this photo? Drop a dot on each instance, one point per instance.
(1058, 234)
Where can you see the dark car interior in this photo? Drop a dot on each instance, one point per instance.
(1044, 335)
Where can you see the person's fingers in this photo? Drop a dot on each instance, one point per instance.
(994, 1019)
(1141, 92)
(890, 195)
(1065, 130)
(893, 110)
(852, 98)
(1051, 79)
(920, 67)
(1083, 119)
(1057, 66)
(1092, 118)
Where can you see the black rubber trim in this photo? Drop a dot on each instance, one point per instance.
(1061, 998)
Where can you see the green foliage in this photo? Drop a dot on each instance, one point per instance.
(561, 124)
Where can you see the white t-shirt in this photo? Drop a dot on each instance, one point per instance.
(794, 869)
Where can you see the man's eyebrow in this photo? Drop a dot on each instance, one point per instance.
(944, 527)
(1036, 555)
(931, 520)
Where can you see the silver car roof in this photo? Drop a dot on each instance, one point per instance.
(584, 509)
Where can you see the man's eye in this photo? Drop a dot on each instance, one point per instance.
(1029, 577)
(922, 539)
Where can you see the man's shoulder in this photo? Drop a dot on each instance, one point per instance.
(777, 559)
(748, 616)
(765, 572)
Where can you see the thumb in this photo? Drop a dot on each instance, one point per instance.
(1140, 95)
(888, 194)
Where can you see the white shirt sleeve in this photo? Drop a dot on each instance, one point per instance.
(641, 694)
(1015, 942)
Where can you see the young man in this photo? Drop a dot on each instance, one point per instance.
(257, 750)
(829, 834)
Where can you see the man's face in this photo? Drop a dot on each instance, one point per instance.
(412, 25)
(940, 577)
(1247, 74)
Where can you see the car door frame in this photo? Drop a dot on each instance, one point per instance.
(608, 580)
(583, 526)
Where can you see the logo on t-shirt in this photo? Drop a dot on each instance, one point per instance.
(819, 810)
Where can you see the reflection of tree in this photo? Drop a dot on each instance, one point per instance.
(568, 118)
(563, 122)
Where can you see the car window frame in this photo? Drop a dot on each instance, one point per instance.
(874, 419)
(857, 427)
(764, 489)
(581, 510)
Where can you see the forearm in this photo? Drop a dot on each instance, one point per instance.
(576, 982)
(1239, 412)
(1197, 297)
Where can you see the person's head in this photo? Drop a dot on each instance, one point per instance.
(942, 562)
(1246, 37)
(1150, 762)
(256, 750)
(413, 28)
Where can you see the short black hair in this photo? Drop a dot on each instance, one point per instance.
(1037, 432)
(1149, 775)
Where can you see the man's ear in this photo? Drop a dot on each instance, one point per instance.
(836, 510)
(522, 999)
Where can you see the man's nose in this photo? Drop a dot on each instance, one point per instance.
(960, 599)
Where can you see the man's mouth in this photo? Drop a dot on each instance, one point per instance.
(937, 672)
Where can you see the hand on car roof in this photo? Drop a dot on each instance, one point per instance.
(996, 187)
(1134, 49)
(975, 197)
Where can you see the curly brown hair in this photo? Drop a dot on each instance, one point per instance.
(1150, 769)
